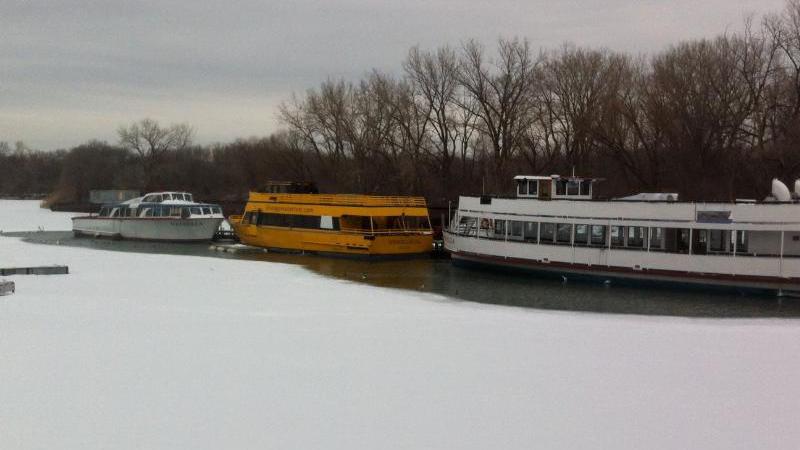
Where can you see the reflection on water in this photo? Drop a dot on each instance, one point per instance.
(440, 277)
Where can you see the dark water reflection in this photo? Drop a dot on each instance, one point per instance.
(441, 277)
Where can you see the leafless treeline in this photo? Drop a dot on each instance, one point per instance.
(713, 119)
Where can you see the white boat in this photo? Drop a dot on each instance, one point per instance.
(157, 216)
(554, 227)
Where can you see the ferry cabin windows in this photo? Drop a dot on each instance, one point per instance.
(581, 234)
(636, 237)
(531, 232)
(586, 187)
(598, 235)
(499, 228)
(561, 187)
(697, 241)
(528, 188)
(547, 233)
(617, 236)
(573, 187)
(515, 230)
(467, 226)
(656, 239)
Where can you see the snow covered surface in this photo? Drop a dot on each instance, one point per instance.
(26, 215)
(144, 351)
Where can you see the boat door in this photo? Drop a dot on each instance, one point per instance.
(545, 187)
(250, 223)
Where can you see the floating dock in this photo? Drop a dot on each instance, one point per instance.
(40, 270)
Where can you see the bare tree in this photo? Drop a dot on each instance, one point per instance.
(151, 142)
(501, 90)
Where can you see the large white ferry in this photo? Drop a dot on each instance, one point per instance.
(554, 227)
(157, 216)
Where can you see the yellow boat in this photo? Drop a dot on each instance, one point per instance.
(334, 223)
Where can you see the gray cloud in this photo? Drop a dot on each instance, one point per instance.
(75, 70)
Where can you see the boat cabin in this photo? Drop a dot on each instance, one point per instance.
(554, 187)
(158, 197)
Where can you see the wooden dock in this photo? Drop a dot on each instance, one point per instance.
(40, 270)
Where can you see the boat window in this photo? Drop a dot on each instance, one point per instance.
(149, 198)
(312, 222)
(716, 240)
(636, 237)
(656, 239)
(699, 242)
(326, 222)
(414, 223)
(293, 221)
(532, 231)
(741, 241)
(598, 235)
(681, 240)
(207, 210)
(533, 188)
(547, 233)
(499, 228)
(196, 211)
(617, 236)
(115, 212)
(148, 212)
(356, 223)
(217, 210)
(188, 197)
(581, 234)
(522, 187)
(561, 187)
(573, 187)
(103, 212)
(564, 233)
(515, 230)
(586, 187)
(467, 226)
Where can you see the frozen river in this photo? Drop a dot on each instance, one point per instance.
(164, 351)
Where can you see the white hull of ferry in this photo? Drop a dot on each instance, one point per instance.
(625, 269)
(148, 228)
(770, 264)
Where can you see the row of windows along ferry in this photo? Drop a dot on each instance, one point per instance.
(555, 227)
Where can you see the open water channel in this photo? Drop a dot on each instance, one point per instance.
(439, 276)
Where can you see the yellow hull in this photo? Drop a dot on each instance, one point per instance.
(333, 241)
(340, 223)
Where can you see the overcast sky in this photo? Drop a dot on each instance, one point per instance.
(71, 71)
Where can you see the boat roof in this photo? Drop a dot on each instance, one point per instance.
(554, 177)
(339, 199)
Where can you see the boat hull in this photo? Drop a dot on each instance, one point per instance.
(628, 277)
(151, 229)
(334, 242)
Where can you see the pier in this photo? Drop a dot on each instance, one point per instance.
(38, 270)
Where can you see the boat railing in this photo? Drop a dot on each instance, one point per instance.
(349, 199)
(386, 232)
